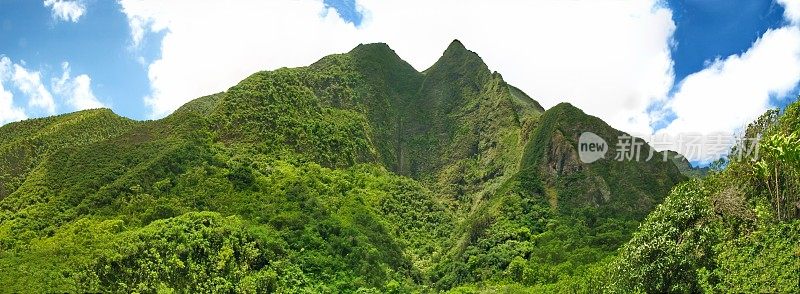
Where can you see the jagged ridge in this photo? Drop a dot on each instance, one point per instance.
(354, 171)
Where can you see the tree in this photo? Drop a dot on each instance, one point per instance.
(778, 169)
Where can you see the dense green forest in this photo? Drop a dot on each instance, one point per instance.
(360, 174)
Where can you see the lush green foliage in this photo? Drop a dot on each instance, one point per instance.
(734, 231)
(23, 145)
(360, 174)
(547, 226)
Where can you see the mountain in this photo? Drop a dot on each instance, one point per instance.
(686, 167)
(355, 173)
(556, 215)
(25, 144)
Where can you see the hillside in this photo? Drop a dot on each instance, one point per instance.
(25, 144)
(686, 167)
(356, 173)
(735, 231)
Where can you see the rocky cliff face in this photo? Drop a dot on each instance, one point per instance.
(637, 184)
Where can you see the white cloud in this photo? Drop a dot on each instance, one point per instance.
(66, 10)
(8, 112)
(77, 91)
(608, 57)
(199, 56)
(732, 92)
(792, 10)
(30, 84)
(611, 58)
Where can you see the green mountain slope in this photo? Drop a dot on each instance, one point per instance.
(557, 216)
(624, 187)
(686, 167)
(735, 230)
(355, 173)
(23, 145)
(87, 218)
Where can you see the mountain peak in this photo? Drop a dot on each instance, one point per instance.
(456, 56)
(372, 46)
(456, 45)
(375, 50)
(456, 48)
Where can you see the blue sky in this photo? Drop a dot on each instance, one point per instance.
(709, 29)
(347, 9)
(97, 45)
(643, 62)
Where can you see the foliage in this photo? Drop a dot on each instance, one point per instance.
(23, 145)
(779, 169)
(672, 244)
(765, 261)
(359, 174)
(734, 231)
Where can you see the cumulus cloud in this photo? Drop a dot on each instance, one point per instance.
(792, 10)
(76, 91)
(66, 10)
(30, 84)
(8, 112)
(732, 92)
(610, 57)
(199, 56)
(737, 89)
